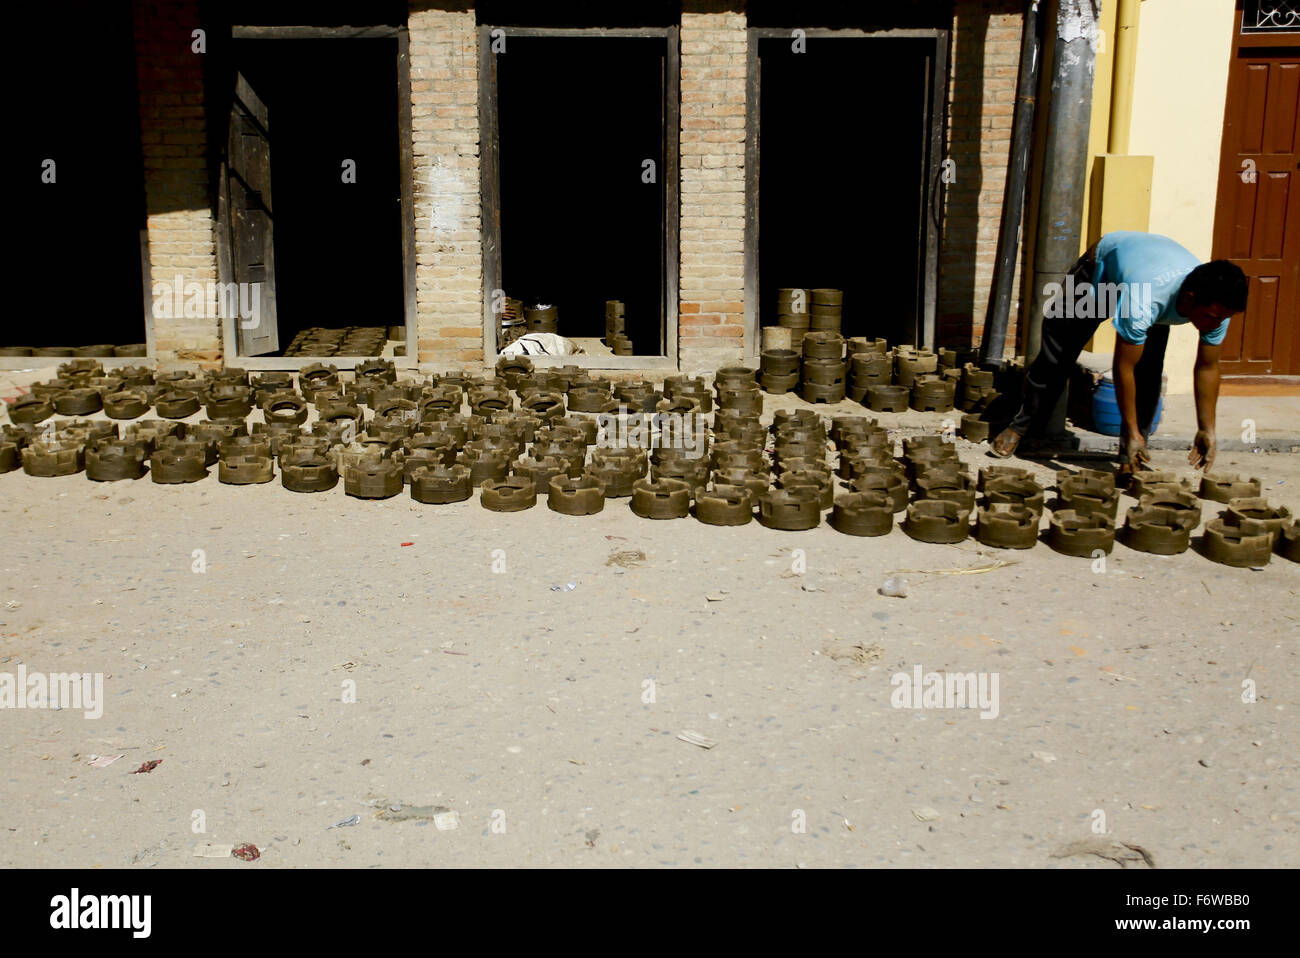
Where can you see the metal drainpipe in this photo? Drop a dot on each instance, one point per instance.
(1065, 159)
(993, 343)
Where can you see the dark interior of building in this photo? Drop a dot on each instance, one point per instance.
(578, 118)
(81, 276)
(841, 177)
(338, 245)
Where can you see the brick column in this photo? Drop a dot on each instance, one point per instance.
(448, 210)
(982, 96)
(173, 135)
(712, 285)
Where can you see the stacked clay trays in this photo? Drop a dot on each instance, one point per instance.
(618, 469)
(792, 311)
(1083, 521)
(615, 321)
(1247, 532)
(932, 394)
(872, 366)
(1162, 521)
(822, 374)
(826, 312)
(779, 370)
(579, 439)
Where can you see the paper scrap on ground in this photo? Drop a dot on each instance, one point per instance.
(695, 738)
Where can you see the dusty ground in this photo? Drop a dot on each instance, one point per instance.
(492, 694)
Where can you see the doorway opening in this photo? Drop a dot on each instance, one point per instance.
(844, 162)
(314, 207)
(580, 177)
(78, 178)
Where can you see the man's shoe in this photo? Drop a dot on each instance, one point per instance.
(1004, 445)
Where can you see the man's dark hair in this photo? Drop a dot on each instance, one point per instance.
(1220, 282)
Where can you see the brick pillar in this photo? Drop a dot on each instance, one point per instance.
(448, 211)
(173, 135)
(712, 286)
(982, 96)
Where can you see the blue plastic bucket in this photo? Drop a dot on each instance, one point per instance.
(1105, 411)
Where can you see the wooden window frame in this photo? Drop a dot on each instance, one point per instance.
(490, 172)
(405, 163)
(931, 199)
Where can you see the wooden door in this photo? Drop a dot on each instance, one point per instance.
(1257, 219)
(248, 211)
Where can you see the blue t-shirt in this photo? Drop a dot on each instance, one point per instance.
(1148, 270)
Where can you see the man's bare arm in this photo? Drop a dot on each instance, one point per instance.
(1205, 378)
(1124, 365)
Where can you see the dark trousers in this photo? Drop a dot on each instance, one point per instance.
(1063, 339)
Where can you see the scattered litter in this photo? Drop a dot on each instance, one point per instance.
(148, 766)
(1044, 756)
(695, 738)
(246, 853)
(405, 544)
(1203, 762)
(810, 588)
(925, 814)
(715, 596)
(102, 761)
(13, 604)
(567, 587)
(628, 559)
(345, 823)
(453, 652)
(1119, 852)
(447, 821)
(407, 813)
(895, 587)
(209, 850)
(619, 538)
(591, 837)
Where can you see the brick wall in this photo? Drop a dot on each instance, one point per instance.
(712, 284)
(984, 66)
(448, 212)
(182, 240)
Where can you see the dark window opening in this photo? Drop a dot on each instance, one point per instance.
(849, 14)
(841, 173)
(81, 281)
(337, 244)
(578, 13)
(314, 13)
(580, 119)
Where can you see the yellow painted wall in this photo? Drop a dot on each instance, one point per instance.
(1184, 47)
(1099, 122)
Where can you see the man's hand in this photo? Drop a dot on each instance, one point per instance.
(1133, 454)
(1204, 447)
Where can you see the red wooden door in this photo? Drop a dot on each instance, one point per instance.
(1257, 219)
